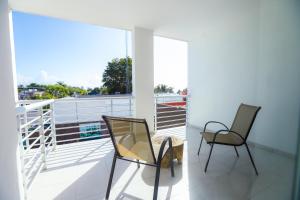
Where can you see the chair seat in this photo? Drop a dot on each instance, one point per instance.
(228, 138)
(139, 152)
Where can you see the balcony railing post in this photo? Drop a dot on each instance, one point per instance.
(155, 114)
(130, 109)
(111, 107)
(187, 98)
(53, 128)
(42, 140)
(26, 130)
(76, 107)
(21, 150)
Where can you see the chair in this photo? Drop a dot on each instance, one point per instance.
(132, 142)
(235, 136)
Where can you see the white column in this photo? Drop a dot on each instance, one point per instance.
(10, 184)
(143, 74)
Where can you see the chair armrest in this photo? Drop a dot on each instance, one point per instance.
(162, 147)
(228, 131)
(214, 122)
(236, 133)
(218, 132)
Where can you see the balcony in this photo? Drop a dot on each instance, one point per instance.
(60, 163)
(45, 125)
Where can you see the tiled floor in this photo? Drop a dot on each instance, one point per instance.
(80, 172)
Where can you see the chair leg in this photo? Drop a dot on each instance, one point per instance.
(200, 146)
(237, 153)
(171, 162)
(252, 161)
(156, 182)
(111, 177)
(211, 148)
(138, 163)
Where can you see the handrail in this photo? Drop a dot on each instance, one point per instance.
(93, 98)
(32, 120)
(170, 111)
(23, 109)
(169, 95)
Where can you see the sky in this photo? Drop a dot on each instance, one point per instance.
(49, 50)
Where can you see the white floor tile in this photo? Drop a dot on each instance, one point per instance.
(80, 171)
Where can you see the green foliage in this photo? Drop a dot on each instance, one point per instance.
(182, 92)
(39, 87)
(57, 90)
(161, 88)
(104, 90)
(45, 95)
(114, 76)
(61, 83)
(76, 91)
(94, 91)
(53, 91)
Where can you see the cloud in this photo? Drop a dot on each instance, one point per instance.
(42, 78)
(24, 80)
(45, 78)
(86, 80)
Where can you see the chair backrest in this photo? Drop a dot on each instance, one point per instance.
(244, 119)
(131, 138)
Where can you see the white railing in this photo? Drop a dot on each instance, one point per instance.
(36, 132)
(81, 119)
(44, 124)
(170, 111)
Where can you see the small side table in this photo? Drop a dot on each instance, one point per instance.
(177, 144)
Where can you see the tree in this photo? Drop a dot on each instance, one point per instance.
(45, 95)
(57, 91)
(61, 83)
(117, 78)
(162, 88)
(39, 87)
(104, 90)
(20, 88)
(182, 92)
(94, 91)
(76, 91)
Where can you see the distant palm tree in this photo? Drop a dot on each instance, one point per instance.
(162, 88)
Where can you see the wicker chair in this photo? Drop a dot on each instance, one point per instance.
(235, 136)
(132, 142)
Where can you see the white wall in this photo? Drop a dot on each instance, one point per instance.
(222, 64)
(9, 173)
(143, 74)
(278, 75)
(252, 56)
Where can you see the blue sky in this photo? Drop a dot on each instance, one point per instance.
(50, 50)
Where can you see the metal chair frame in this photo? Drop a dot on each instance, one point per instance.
(234, 145)
(157, 161)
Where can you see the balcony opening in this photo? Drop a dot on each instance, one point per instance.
(170, 82)
(58, 58)
(69, 74)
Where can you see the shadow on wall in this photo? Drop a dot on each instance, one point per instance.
(296, 186)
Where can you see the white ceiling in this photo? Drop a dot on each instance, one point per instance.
(179, 19)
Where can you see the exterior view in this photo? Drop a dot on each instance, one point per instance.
(232, 133)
